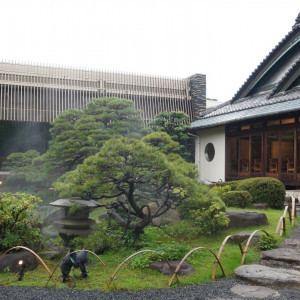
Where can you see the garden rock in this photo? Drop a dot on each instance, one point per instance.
(281, 257)
(53, 253)
(244, 236)
(164, 268)
(240, 219)
(11, 261)
(170, 217)
(269, 276)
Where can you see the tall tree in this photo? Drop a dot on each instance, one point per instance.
(175, 125)
(133, 174)
(78, 134)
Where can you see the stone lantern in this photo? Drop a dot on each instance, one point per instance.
(76, 221)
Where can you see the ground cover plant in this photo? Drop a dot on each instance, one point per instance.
(141, 278)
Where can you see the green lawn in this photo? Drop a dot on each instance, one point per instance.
(134, 279)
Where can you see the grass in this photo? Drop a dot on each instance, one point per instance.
(136, 279)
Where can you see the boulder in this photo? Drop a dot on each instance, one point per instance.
(281, 257)
(244, 236)
(264, 275)
(53, 253)
(239, 219)
(171, 216)
(164, 268)
(10, 262)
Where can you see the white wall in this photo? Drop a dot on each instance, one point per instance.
(215, 169)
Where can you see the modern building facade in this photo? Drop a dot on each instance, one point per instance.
(257, 132)
(35, 93)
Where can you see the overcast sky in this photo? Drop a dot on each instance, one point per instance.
(224, 39)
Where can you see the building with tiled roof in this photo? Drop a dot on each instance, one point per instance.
(257, 132)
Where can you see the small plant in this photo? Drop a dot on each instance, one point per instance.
(172, 251)
(267, 242)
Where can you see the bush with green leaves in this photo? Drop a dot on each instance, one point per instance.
(171, 251)
(220, 190)
(264, 190)
(209, 221)
(241, 199)
(106, 236)
(267, 242)
(207, 211)
(19, 221)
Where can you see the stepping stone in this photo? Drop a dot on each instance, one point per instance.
(264, 275)
(291, 243)
(282, 258)
(250, 291)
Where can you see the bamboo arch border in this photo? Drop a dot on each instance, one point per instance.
(104, 265)
(187, 255)
(291, 209)
(220, 252)
(38, 257)
(248, 243)
(134, 254)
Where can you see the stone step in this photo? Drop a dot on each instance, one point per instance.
(282, 258)
(264, 275)
(290, 243)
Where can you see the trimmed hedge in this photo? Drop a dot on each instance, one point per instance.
(241, 199)
(264, 190)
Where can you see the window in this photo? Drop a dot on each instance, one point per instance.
(209, 152)
(233, 154)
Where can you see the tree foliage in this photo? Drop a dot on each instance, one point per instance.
(78, 134)
(22, 172)
(133, 174)
(19, 221)
(175, 125)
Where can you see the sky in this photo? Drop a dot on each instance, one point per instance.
(224, 39)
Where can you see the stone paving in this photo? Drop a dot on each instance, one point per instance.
(279, 268)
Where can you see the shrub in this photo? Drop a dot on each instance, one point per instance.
(206, 211)
(172, 251)
(241, 199)
(210, 220)
(19, 221)
(103, 238)
(232, 184)
(264, 190)
(267, 242)
(220, 190)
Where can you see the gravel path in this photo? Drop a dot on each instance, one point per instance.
(216, 290)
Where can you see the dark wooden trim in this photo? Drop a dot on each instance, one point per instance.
(291, 179)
